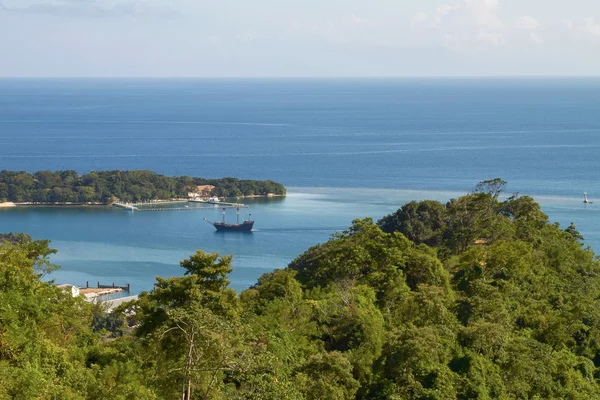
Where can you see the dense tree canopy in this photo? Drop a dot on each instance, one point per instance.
(106, 186)
(479, 298)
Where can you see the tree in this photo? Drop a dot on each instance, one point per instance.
(491, 187)
(44, 331)
(191, 324)
(197, 348)
(211, 272)
(327, 376)
(506, 306)
(421, 222)
(574, 233)
(102, 186)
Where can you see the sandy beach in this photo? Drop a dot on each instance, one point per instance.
(7, 204)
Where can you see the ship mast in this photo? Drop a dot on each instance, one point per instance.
(223, 214)
(238, 215)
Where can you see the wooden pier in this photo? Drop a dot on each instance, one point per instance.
(155, 203)
(125, 206)
(126, 288)
(92, 293)
(154, 206)
(230, 205)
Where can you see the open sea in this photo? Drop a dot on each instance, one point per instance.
(345, 149)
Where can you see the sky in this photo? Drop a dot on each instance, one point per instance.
(299, 38)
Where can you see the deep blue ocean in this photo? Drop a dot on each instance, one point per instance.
(344, 148)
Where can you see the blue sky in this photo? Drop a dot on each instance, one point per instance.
(185, 38)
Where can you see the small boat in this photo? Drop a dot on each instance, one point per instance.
(245, 226)
(585, 199)
(214, 200)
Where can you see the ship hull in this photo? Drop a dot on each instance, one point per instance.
(243, 227)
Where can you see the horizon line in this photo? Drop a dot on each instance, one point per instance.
(320, 77)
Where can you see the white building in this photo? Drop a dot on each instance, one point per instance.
(69, 288)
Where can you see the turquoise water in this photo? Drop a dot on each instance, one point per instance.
(116, 246)
(344, 148)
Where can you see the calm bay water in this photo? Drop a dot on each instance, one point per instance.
(344, 148)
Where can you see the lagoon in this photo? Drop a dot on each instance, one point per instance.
(345, 149)
(110, 245)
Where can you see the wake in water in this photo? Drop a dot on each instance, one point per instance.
(292, 230)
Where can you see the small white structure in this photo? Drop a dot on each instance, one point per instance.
(200, 191)
(69, 288)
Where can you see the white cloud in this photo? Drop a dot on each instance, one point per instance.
(299, 37)
(536, 38)
(587, 29)
(89, 8)
(441, 12)
(358, 20)
(215, 40)
(348, 30)
(591, 27)
(485, 37)
(468, 25)
(419, 18)
(529, 27)
(483, 12)
(528, 23)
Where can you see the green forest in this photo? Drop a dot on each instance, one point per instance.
(479, 298)
(129, 186)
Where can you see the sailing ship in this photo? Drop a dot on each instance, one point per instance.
(585, 199)
(245, 226)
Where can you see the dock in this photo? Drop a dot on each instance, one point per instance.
(126, 287)
(153, 206)
(154, 202)
(114, 303)
(125, 206)
(220, 205)
(92, 293)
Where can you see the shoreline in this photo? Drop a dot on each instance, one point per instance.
(53, 205)
(255, 196)
(10, 204)
(292, 191)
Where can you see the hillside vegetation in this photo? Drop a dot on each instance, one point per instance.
(107, 186)
(474, 299)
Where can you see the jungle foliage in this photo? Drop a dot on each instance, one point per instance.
(479, 298)
(107, 186)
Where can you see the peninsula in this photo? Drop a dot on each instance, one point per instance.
(105, 187)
